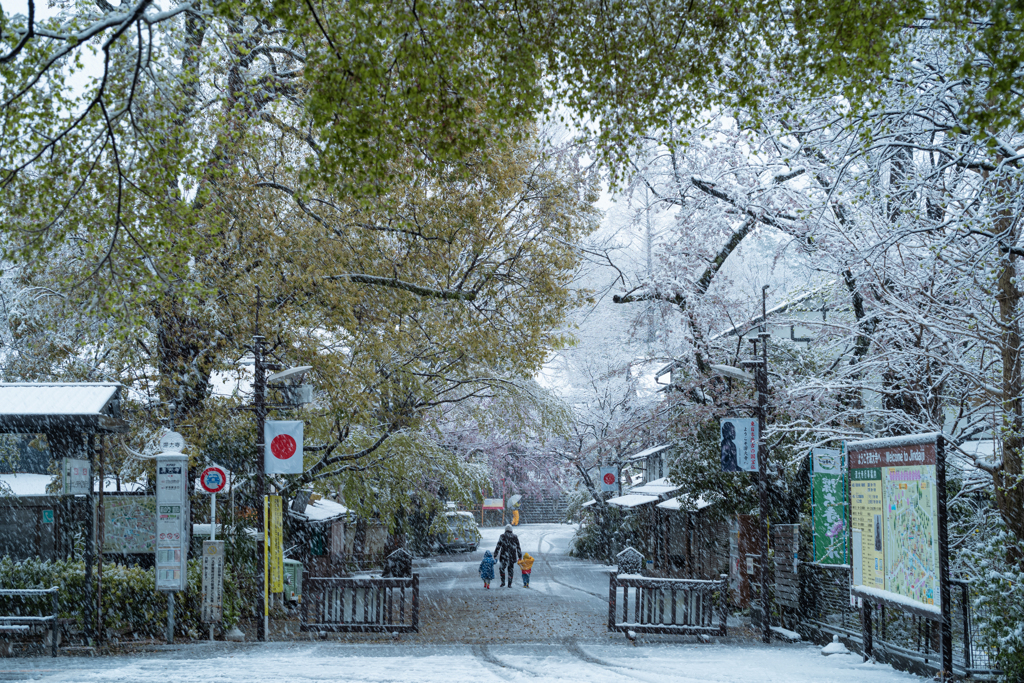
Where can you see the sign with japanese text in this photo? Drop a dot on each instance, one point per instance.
(172, 515)
(895, 517)
(129, 524)
(828, 507)
(739, 444)
(275, 544)
(213, 581)
(76, 478)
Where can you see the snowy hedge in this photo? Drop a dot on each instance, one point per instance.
(132, 607)
(999, 605)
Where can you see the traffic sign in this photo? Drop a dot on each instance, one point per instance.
(213, 479)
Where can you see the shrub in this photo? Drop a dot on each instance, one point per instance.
(999, 605)
(132, 606)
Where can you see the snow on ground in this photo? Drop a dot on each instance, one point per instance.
(373, 663)
(553, 631)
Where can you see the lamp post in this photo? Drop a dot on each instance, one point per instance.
(760, 378)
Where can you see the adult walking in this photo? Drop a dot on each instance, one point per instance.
(508, 553)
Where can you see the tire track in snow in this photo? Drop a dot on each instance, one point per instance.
(551, 577)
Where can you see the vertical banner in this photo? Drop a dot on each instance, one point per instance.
(828, 506)
(171, 518)
(213, 581)
(609, 478)
(739, 444)
(282, 447)
(275, 545)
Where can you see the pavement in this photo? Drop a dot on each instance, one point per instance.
(566, 596)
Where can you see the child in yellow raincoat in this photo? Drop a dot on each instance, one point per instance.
(526, 564)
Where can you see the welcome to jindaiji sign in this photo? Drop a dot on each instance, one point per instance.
(897, 491)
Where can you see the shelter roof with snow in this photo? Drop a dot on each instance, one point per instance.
(85, 407)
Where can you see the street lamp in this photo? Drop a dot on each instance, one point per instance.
(760, 378)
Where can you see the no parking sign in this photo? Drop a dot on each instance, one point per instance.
(213, 479)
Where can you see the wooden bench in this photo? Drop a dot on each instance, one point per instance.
(23, 623)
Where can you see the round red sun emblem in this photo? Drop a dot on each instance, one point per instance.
(609, 478)
(282, 446)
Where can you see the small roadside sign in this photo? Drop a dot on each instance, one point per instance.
(213, 479)
(75, 477)
(213, 581)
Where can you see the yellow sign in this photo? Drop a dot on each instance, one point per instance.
(866, 514)
(275, 544)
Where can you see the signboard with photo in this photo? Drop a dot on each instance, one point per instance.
(739, 444)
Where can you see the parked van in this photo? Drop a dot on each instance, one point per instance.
(463, 533)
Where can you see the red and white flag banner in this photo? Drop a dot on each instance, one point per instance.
(282, 447)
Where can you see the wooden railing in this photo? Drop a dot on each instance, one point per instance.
(361, 604)
(20, 623)
(683, 606)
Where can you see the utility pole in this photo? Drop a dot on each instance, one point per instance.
(761, 382)
(260, 410)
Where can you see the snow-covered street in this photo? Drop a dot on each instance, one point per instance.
(553, 631)
(567, 661)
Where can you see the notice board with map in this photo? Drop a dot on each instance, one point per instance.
(897, 505)
(129, 524)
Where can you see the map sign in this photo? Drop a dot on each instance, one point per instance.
(895, 517)
(828, 510)
(129, 524)
(911, 533)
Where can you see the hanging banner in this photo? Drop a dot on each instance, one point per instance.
(828, 506)
(895, 488)
(275, 544)
(739, 444)
(609, 478)
(282, 447)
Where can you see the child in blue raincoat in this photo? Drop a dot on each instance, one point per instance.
(487, 568)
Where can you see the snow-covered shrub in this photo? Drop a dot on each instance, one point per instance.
(999, 603)
(131, 605)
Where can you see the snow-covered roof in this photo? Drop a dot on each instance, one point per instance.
(893, 441)
(657, 487)
(26, 484)
(322, 510)
(90, 406)
(35, 484)
(684, 503)
(650, 451)
(632, 500)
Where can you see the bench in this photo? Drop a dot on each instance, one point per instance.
(22, 623)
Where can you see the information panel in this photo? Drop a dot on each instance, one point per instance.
(171, 517)
(213, 581)
(828, 509)
(894, 491)
(129, 524)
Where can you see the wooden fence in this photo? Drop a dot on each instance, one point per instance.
(361, 604)
(682, 606)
